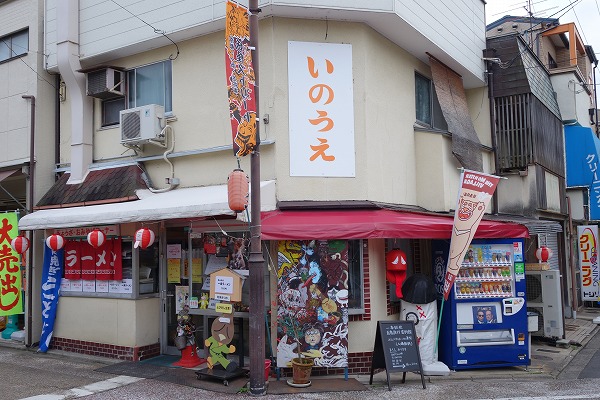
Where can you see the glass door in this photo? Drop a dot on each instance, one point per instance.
(173, 287)
(182, 285)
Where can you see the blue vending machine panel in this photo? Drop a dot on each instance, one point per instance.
(484, 320)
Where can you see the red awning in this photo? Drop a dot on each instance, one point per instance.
(369, 224)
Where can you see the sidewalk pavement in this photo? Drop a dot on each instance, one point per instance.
(548, 358)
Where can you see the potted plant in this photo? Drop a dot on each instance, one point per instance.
(303, 362)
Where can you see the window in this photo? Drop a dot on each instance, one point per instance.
(428, 108)
(355, 277)
(14, 45)
(323, 268)
(111, 109)
(85, 270)
(551, 62)
(150, 84)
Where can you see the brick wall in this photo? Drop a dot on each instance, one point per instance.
(358, 364)
(124, 353)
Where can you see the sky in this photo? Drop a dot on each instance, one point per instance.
(584, 13)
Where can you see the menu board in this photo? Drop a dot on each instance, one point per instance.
(396, 349)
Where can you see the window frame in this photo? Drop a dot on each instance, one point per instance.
(356, 271)
(7, 43)
(130, 99)
(132, 259)
(435, 118)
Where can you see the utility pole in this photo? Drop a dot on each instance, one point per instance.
(256, 324)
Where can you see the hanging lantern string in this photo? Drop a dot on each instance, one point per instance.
(246, 241)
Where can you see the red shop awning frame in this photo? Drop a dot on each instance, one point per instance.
(371, 224)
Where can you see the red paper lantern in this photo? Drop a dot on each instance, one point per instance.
(20, 244)
(237, 190)
(543, 254)
(143, 238)
(96, 238)
(55, 242)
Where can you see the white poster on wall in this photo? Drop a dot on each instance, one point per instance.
(588, 261)
(321, 109)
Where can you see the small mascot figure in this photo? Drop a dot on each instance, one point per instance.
(222, 330)
(204, 301)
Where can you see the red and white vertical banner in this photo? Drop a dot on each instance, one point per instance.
(587, 236)
(240, 79)
(475, 193)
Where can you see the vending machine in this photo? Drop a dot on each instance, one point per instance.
(484, 320)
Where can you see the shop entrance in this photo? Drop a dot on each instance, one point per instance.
(180, 285)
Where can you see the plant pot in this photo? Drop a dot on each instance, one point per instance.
(301, 369)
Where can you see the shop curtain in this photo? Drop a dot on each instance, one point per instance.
(72, 260)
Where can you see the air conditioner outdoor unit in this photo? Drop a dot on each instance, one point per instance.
(142, 125)
(106, 83)
(543, 297)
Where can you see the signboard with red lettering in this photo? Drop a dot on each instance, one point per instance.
(10, 267)
(321, 109)
(588, 262)
(474, 195)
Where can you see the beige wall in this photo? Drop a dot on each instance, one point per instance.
(361, 334)
(116, 321)
(384, 118)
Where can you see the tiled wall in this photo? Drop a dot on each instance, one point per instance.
(106, 350)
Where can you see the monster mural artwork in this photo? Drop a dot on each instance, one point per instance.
(312, 302)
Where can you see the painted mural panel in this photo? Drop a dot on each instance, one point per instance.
(312, 302)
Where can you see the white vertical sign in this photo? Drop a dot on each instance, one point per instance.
(587, 241)
(321, 109)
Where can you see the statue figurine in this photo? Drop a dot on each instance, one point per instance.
(204, 301)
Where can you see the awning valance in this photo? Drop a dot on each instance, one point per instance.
(369, 224)
(186, 203)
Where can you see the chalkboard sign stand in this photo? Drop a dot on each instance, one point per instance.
(396, 350)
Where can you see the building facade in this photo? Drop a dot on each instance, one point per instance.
(411, 110)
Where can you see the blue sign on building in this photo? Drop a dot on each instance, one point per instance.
(582, 149)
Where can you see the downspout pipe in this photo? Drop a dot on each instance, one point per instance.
(30, 210)
(490, 82)
(57, 124)
(67, 57)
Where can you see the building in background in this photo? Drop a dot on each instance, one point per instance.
(538, 67)
(28, 110)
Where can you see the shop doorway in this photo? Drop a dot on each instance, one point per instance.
(180, 285)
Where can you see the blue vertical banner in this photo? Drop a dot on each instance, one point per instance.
(51, 276)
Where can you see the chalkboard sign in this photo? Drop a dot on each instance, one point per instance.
(396, 349)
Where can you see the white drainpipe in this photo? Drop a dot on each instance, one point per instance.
(67, 52)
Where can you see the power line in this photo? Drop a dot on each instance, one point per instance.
(21, 57)
(156, 30)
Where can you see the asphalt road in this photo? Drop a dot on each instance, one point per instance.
(34, 376)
